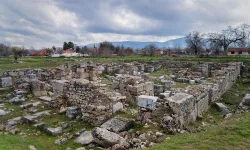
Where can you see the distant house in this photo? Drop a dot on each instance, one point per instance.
(159, 51)
(70, 53)
(42, 52)
(238, 52)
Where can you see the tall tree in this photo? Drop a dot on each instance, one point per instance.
(70, 45)
(4, 50)
(17, 52)
(106, 48)
(78, 49)
(85, 50)
(231, 35)
(48, 51)
(65, 45)
(150, 49)
(54, 49)
(195, 41)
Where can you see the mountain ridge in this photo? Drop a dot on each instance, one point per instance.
(179, 42)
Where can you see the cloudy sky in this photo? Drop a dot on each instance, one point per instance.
(44, 23)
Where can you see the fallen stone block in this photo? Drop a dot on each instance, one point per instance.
(54, 131)
(222, 108)
(72, 112)
(117, 106)
(46, 98)
(30, 119)
(17, 100)
(247, 99)
(6, 82)
(2, 112)
(107, 139)
(85, 138)
(148, 102)
(118, 124)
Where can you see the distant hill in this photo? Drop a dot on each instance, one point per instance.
(179, 42)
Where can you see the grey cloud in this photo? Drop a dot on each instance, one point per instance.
(51, 22)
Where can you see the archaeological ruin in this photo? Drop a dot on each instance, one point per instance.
(113, 97)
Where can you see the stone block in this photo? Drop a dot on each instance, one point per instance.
(222, 108)
(184, 107)
(6, 82)
(118, 124)
(148, 102)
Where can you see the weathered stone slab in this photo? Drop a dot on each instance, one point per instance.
(106, 138)
(222, 108)
(72, 112)
(183, 105)
(2, 113)
(117, 106)
(54, 131)
(46, 98)
(85, 138)
(118, 124)
(6, 82)
(247, 99)
(148, 102)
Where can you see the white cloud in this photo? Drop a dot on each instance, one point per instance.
(41, 23)
(125, 19)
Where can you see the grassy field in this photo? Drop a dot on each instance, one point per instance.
(233, 133)
(49, 62)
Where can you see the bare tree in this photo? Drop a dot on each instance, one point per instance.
(195, 41)
(237, 36)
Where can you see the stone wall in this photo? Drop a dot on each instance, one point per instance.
(194, 100)
(96, 102)
(133, 85)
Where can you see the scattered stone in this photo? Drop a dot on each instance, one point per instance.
(5, 82)
(158, 134)
(21, 92)
(62, 110)
(2, 113)
(118, 124)
(30, 119)
(222, 108)
(14, 131)
(118, 106)
(106, 138)
(60, 141)
(54, 131)
(85, 138)
(17, 100)
(148, 102)
(228, 115)
(32, 147)
(45, 98)
(72, 112)
(81, 148)
(247, 99)
(12, 123)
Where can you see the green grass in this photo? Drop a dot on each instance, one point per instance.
(41, 142)
(49, 62)
(235, 95)
(230, 134)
